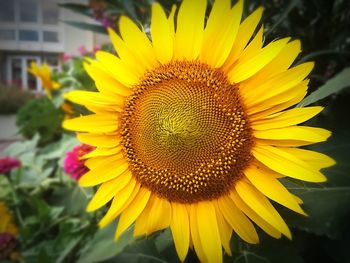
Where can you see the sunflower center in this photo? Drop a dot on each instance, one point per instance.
(185, 132)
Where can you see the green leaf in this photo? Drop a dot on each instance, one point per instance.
(318, 53)
(4, 186)
(87, 26)
(103, 246)
(130, 8)
(327, 209)
(269, 250)
(58, 150)
(141, 251)
(74, 199)
(292, 4)
(77, 8)
(332, 86)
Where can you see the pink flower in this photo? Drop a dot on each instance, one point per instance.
(8, 163)
(8, 245)
(96, 48)
(82, 50)
(67, 57)
(73, 165)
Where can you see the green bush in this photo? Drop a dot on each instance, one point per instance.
(13, 98)
(42, 117)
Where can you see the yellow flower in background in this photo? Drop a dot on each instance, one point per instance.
(44, 73)
(8, 233)
(194, 129)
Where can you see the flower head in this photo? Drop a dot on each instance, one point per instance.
(194, 129)
(74, 165)
(7, 164)
(44, 73)
(8, 233)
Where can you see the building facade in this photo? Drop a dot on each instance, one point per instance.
(33, 30)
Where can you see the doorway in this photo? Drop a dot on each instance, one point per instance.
(17, 72)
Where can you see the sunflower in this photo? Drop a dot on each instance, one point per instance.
(194, 129)
(44, 74)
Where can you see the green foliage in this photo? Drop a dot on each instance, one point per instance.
(332, 86)
(42, 117)
(87, 26)
(49, 206)
(13, 98)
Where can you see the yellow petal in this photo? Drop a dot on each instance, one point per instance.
(120, 202)
(286, 118)
(98, 152)
(101, 161)
(237, 220)
(301, 133)
(315, 159)
(95, 99)
(259, 203)
(131, 212)
(245, 32)
(108, 190)
(104, 172)
(106, 82)
(287, 164)
(99, 140)
(282, 143)
(279, 64)
(244, 70)
(180, 229)
(171, 20)
(189, 30)
(253, 48)
(224, 229)
(92, 123)
(276, 85)
(271, 187)
(117, 69)
(220, 34)
(156, 216)
(269, 229)
(208, 231)
(197, 243)
(126, 55)
(137, 41)
(280, 101)
(162, 36)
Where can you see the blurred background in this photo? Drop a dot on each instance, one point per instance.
(43, 44)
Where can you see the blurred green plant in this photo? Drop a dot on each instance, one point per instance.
(42, 117)
(13, 98)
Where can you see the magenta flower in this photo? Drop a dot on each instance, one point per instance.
(73, 164)
(8, 245)
(82, 50)
(8, 163)
(67, 57)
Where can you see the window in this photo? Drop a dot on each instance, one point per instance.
(7, 11)
(7, 34)
(49, 36)
(28, 35)
(50, 12)
(28, 11)
(31, 21)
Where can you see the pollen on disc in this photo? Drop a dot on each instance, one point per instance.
(185, 132)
